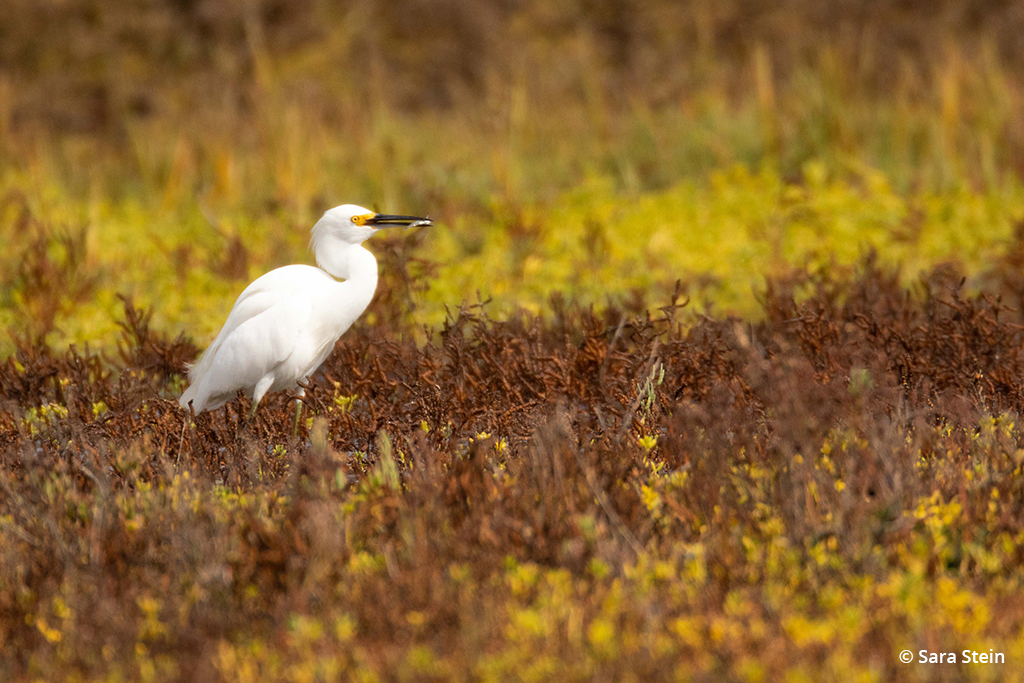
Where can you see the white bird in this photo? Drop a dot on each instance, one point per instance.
(285, 324)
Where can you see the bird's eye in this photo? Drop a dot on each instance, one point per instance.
(358, 220)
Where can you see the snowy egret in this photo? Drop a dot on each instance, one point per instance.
(284, 325)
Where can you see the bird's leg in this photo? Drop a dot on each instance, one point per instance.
(244, 422)
(298, 411)
(188, 418)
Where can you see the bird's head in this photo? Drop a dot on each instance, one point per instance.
(355, 224)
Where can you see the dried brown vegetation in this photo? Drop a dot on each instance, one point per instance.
(600, 492)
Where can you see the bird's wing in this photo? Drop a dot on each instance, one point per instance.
(267, 291)
(258, 345)
(260, 333)
(241, 357)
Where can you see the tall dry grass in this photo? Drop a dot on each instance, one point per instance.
(527, 95)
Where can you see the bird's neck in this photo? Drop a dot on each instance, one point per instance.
(351, 262)
(355, 265)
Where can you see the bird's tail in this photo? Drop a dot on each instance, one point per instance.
(189, 395)
(196, 372)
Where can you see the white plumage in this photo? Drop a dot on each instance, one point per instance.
(285, 324)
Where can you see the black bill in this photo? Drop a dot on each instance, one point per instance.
(386, 220)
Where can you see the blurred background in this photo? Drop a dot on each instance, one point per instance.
(171, 150)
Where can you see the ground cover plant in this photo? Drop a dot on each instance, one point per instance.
(580, 495)
(710, 368)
